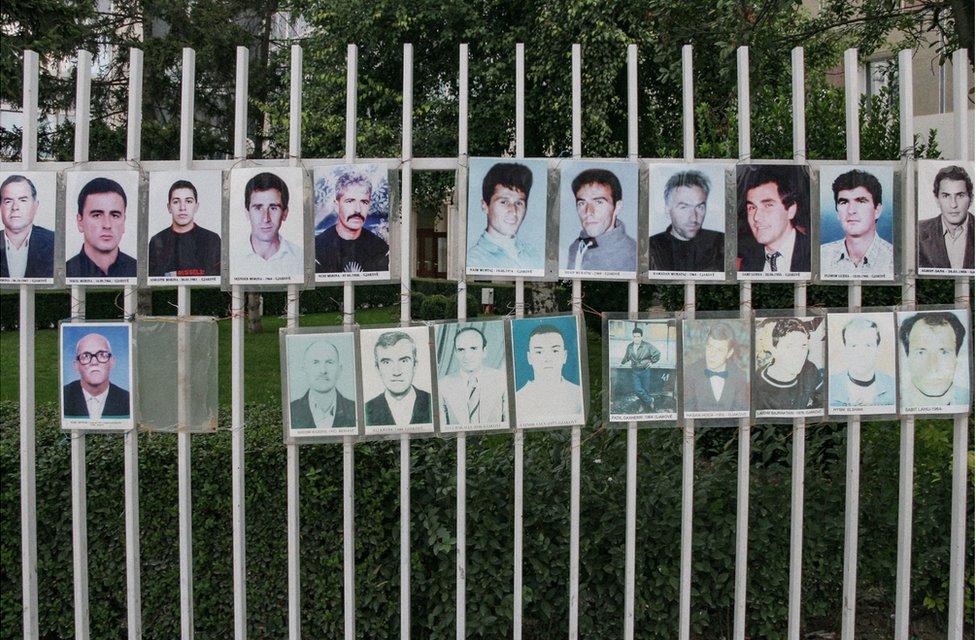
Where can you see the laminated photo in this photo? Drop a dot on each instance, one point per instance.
(28, 202)
(397, 380)
(642, 362)
(96, 376)
(934, 349)
(548, 385)
(185, 220)
(946, 227)
(321, 390)
(788, 379)
(101, 227)
(861, 363)
(715, 368)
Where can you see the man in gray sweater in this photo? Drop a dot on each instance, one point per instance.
(603, 243)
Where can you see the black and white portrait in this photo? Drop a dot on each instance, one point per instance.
(946, 226)
(715, 375)
(185, 220)
(397, 380)
(642, 359)
(28, 201)
(934, 349)
(321, 388)
(788, 380)
(472, 375)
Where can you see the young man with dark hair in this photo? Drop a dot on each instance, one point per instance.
(267, 253)
(772, 202)
(946, 241)
(603, 243)
(101, 221)
(861, 252)
(789, 380)
(184, 249)
(504, 201)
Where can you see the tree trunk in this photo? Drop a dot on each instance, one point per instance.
(254, 313)
(543, 297)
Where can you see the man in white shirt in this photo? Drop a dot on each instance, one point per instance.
(474, 394)
(861, 252)
(27, 250)
(93, 396)
(774, 201)
(548, 395)
(931, 343)
(322, 406)
(267, 254)
(401, 403)
(861, 384)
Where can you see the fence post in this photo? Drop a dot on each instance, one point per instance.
(462, 314)
(518, 438)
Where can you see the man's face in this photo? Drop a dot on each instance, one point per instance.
(717, 353)
(547, 355)
(322, 367)
(17, 206)
(687, 211)
(352, 206)
(857, 211)
(396, 365)
(790, 354)
(183, 207)
(954, 200)
(470, 351)
(596, 208)
(769, 219)
(638, 338)
(94, 373)
(505, 211)
(102, 221)
(932, 358)
(266, 214)
(861, 352)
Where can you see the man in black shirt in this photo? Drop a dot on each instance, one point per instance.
(184, 249)
(684, 245)
(789, 380)
(101, 220)
(348, 246)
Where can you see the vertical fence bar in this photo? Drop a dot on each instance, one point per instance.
(745, 308)
(688, 427)
(237, 379)
(79, 507)
(28, 456)
(851, 500)
(406, 186)
(518, 438)
(960, 423)
(348, 321)
(799, 424)
(462, 313)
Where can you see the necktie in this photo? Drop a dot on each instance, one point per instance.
(771, 257)
(474, 399)
(716, 374)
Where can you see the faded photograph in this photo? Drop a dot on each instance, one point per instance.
(773, 222)
(715, 374)
(945, 218)
(185, 213)
(96, 375)
(321, 384)
(396, 379)
(548, 387)
(642, 361)
(861, 363)
(472, 375)
(933, 354)
(789, 366)
(101, 226)
(28, 201)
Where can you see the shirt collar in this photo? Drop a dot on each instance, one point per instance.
(617, 230)
(23, 247)
(960, 230)
(870, 256)
(285, 250)
(100, 397)
(409, 396)
(324, 403)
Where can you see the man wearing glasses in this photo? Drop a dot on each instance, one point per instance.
(93, 396)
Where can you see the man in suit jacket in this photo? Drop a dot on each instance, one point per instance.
(716, 382)
(401, 403)
(946, 241)
(771, 197)
(93, 396)
(322, 406)
(27, 250)
(474, 394)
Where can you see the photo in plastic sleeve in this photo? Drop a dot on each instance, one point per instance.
(773, 220)
(396, 380)
(686, 222)
(266, 226)
(352, 223)
(934, 369)
(101, 223)
(598, 220)
(28, 204)
(788, 379)
(857, 223)
(715, 367)
(861, 363)
(184, 227)
(472, 375)
(96, 376)
(506, 226)
(945, 231)
(548, 381)
(321, 390)
(642, 362)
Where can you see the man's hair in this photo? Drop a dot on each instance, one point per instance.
(933, 319)
(721, 332)
(350, 179)
(952, 172)
(18, 178)
(100, 185)
(599, 176)
(265, 181)
(390, 338)
(510, 175)
(637, 330)
(788, 325)
(862, 323)
(686, 179)
(856, 178)
(317, 343)
(182, 184)
(782, 175)
(484, 340)
(543, 329)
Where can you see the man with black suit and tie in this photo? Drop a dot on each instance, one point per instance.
(716, 382)
(93, 396)
(322, 406)
(401, 403)
(27, 250)
(773, 199)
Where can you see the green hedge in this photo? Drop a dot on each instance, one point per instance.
(489, 532)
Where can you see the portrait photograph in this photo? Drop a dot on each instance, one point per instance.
(861, 363)
(266, 226)
(788, 378)
(320, 390)
(96, 376)
(856, 223)
(642, 359)
(934, 368)
(397, 380)
(101, 223)
(506, 223)
(185, 222)
(598, 220)
(715, 367)
(352, 223)
(773, 220)
(548, 378)
(945, 230)
(28, 204)
(686, 222)
(472, 375)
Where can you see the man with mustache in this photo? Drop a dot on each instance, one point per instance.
(348, 246)
(101, 221)
(946, 241)
(322, 406)
(504, 199)
(771, 204)
(184, 249)
(685, 245)
(548, 394)
(861, 252)
(93, 395)
(27, 250)
(931, 343)
(267, 253)
(603, 243)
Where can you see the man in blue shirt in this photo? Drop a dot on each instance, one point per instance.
(504, 197)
